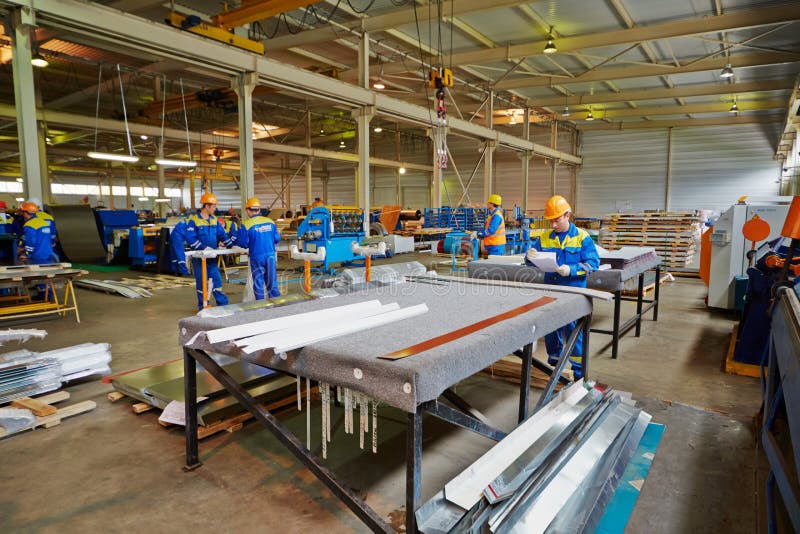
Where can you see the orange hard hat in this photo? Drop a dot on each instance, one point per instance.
(209, 198)
(555, 207)
(253, 204)
(30, 207)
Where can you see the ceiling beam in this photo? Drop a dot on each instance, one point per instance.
(393, 19)
(706, 89)
(620, 73)
(666, 30)
(679, 123)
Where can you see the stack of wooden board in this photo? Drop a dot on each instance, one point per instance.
(672, 234)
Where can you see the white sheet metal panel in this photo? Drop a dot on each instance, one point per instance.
(713, 166)
(622, 171)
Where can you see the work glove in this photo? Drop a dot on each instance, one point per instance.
(531, 254)
(563, 270)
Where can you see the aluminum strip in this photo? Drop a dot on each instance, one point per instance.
(534, 516)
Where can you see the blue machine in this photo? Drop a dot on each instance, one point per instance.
(335, 228)
(110, 220)
(465, 219)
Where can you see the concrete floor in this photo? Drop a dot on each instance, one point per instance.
(113, 470)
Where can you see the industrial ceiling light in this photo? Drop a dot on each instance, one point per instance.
(143, 199)
(379, 85)
(20, 199)
(402, 170)
(566, 112)
(590, 116)
(111, 156)
(734, 107)
(341, 144)
(143, 137)
(20, 180)
(550, 47)
(166, 162)
(162, 200)
(39, 61)
(377, 129)
(727, 72)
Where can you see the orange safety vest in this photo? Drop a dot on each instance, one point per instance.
(499, 237)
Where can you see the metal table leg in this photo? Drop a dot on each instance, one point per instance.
(413, 468)
(615, 330)
(585, 355)
(525, 381)
(190, 407)
(639, 297)
(655, 295)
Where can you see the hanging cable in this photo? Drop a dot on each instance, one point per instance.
(124, 110)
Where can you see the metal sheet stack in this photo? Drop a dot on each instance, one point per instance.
(24, 373)
(673, 235)
(556, 472)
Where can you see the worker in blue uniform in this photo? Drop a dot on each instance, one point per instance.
(177, 238)
(53, 236)
(494, 234)
(576, 256)
(205, 231)
(260, 235)
(37, 245)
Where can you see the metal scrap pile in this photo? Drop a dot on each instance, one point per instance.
(556, 472)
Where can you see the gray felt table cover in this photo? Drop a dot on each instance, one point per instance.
(408, 382)
(606, 280)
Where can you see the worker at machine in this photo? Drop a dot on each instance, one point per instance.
(576, 256)
(177, 238)
(260, 235)
(317, 203)
(205, 231)
(494, 235)
(37, 245)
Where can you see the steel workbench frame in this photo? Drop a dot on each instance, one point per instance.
(618, 330)
(460, 416)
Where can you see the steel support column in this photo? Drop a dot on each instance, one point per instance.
(526, 160)
(436, 175)
(244, 85)
(488, 161)
(363, 116)
(309, 161)
(24, 23)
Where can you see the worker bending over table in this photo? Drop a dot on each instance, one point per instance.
(205, 231)
(494, 235)
(260, 235)
(576, 256)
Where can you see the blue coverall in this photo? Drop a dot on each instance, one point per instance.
(36, 239)
(177, 253)
(201, 234)
(53, 237)
(260, 235)
(495, 231)
(576, 249)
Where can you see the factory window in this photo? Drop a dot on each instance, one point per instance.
(10, 187)
(82, 190)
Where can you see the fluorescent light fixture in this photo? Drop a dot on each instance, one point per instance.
(108, 156)
(566, 112)
(175, 162)
(590, 117)
(143, 199)
(20, 199)
(39, 61)
(162, 200)
(377, 129)
(379, 85)
(341, 144)
(143, 137)
(20, 180)
(402, 170)
(727, 72)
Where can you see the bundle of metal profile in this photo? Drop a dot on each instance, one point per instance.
(555, 473)
(24, 373)
(112, 286)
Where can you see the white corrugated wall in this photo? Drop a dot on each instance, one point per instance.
(711, 168)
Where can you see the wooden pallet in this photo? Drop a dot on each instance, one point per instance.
(54, 415)
(509, 369)
(647, 288)
(732, 367)
(230, 424)
(34, 267)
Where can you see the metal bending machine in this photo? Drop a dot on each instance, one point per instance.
(333, 228)
(411, 375)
